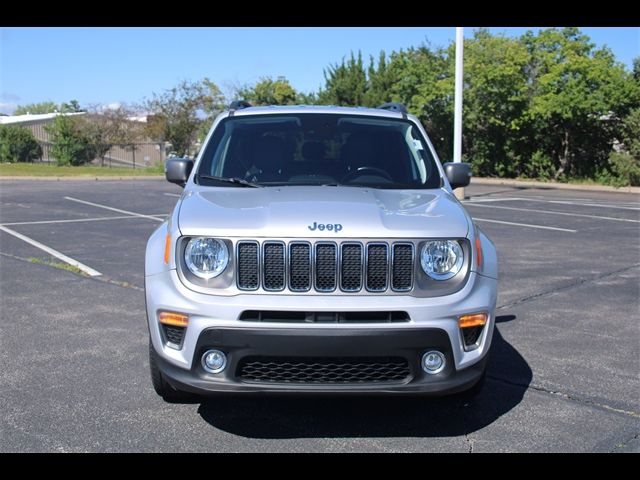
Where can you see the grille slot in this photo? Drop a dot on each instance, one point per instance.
(402, 267)
(274, 266)
(326, 266)
(377, 267)
(351, 267)
(300, 267)
(324, 370)
(248, 278)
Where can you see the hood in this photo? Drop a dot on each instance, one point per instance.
(321, 212)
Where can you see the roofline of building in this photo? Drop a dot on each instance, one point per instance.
(31, 118)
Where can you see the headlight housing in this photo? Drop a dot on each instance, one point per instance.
(206, 257)
(441, 259)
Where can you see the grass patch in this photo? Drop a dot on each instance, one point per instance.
(58, 265)
(47, 170)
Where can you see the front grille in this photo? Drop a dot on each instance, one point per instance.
(300, 266)
(173, 334)
(324, 370)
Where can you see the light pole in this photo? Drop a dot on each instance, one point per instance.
(457, 120)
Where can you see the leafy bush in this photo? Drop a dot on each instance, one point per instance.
(540, 167)
(17, 144)
(625, 169)
(70, 143)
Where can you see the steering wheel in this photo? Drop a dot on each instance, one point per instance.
(363, 171)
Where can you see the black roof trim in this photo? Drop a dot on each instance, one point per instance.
(394, 107)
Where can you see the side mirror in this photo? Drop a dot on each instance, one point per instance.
(458, 174)
(177, 170)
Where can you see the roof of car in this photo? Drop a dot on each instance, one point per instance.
(376, 112)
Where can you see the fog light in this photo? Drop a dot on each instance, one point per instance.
(433, 362)
(214, 361)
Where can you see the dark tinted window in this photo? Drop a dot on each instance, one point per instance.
(311, 148)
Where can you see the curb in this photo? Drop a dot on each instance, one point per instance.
(83, 178)
(551, 185)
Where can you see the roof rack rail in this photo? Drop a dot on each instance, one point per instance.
(239, 105)
(394, 107)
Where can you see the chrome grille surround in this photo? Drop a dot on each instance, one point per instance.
(325, 266)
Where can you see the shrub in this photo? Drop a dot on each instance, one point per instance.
(625, 169)
(70, 143)
(17, 144)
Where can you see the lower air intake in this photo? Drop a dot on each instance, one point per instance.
(324, 370)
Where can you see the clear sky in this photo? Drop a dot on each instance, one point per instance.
(124, 65)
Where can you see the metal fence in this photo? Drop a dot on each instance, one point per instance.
(137, 155)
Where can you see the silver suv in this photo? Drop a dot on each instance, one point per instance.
(318, 249)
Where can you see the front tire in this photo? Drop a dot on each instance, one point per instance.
(161, 386)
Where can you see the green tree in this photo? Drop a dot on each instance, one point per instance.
(380, 81)
(495, 98)
(270, 92)
(36, 108)
(17, 144)
(106, 128)
(576, 94)
(422, 79)
(48, 107)
(72, 107)
(182, 114)
(70, 143)
(625, 163)
(345, 84)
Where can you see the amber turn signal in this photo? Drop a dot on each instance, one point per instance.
(478, 253)
(473, 320)
(173, 319)
(167, 248)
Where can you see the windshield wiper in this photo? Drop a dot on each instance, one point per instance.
(233, 180)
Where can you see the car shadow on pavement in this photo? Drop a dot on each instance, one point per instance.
(280, 417)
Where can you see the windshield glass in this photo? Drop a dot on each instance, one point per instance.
(319, 149)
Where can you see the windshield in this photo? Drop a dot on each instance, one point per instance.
(318, 149)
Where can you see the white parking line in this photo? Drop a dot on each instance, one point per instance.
(81, 266)
(542, 227)
(561, 202)
(490, 200)
(172, 195)
(151, 217)
(550, 212)
(75, 220)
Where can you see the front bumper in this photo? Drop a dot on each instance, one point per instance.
(433, 325)
(242, 343)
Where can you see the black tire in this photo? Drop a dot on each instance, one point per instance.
(161, 386)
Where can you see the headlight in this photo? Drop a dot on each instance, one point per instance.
(441, 259)
(206, 257)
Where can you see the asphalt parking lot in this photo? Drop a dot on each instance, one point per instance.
(564, 374)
